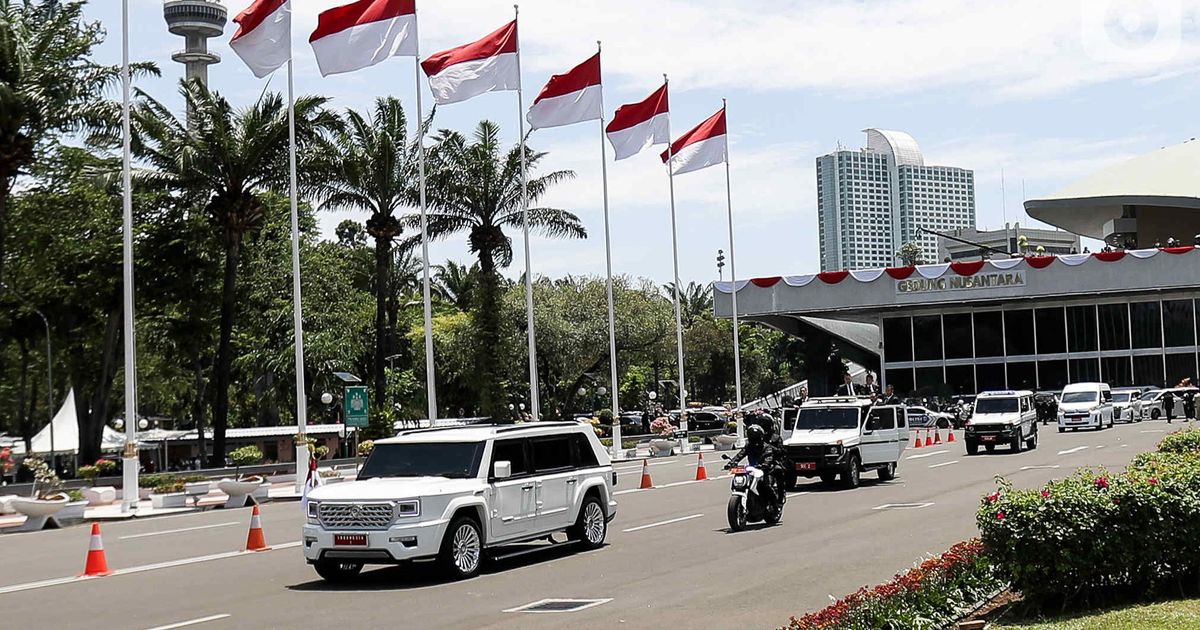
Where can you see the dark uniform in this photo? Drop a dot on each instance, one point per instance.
(767, 454)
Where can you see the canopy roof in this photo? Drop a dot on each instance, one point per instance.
(66, 432)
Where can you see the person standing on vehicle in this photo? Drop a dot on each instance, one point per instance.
(848, 387)
(871, 388)
(889, 396)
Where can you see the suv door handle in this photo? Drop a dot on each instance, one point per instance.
(572, 481)
(527, 488)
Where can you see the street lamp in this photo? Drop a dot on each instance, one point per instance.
(720, 264)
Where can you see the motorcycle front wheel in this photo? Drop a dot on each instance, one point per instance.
(737, 514)
(773, 514)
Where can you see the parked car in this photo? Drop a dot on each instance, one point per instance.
(1152, 406)
(1002, 417)
(924, 417)
(453, 494)
(1085, 405)
(702, 420)
(1127, 404)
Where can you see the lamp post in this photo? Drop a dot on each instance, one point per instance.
(720, 264)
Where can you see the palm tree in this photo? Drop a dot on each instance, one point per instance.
(369, 164)
(223, 160)
(49, 85)
(457, 283)
(695, 300)
(475, 187)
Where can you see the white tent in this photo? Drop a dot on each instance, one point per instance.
(66, 432)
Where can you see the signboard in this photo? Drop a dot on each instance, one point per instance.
(355, 405)
(995, 280)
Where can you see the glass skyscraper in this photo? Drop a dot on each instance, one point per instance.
(872, 201)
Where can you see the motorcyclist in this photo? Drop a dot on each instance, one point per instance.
(765, 454)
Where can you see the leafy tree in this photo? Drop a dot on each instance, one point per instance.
(695, 301)
(457, 283)
(222, 159)
(475, 187)
(369, 164)
(49, 85)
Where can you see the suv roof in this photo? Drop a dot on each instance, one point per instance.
(1005, 393)
(481, 432)
(840, 401)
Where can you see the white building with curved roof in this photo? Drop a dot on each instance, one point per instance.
(873, 200)
(1136, 203)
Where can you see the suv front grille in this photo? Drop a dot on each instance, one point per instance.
(805, 452)
(356, 515)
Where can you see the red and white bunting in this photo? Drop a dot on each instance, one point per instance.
(361, 34)
(638, 125)
(569, 98)
(487, 65)
(699, 148)
(264, 36)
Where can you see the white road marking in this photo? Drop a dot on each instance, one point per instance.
(1101, 446)
(1041, 467)
(1072, 450)
(796, 494)
(176, 531)
(191, 622)
(924, 455)
(1124, 446)
(674, 520)
(585, 603)
(639, 466)
(944, 464)
(17, 588)
(1153, 431)
(902, 506)
(620, 492)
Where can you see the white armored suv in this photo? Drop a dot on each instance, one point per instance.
(453, 494)
(843, 437)
(1002, 418)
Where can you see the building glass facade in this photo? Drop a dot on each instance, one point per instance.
(965, 350)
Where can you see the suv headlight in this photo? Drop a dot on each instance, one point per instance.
(313, 519)
(833, 449)
(407, 509)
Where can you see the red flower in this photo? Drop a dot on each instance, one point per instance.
(999, 516)
(992, 498)
(1102, 483)
(1045, 494)
(1152, 481)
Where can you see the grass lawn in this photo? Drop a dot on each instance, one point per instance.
(1176, 615)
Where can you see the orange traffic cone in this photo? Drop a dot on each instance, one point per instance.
(255, 540)
(646, 482)
(928, 440)
(937, 436)
(917, 439)
(97, 564)
(701, 471)
(950, 436)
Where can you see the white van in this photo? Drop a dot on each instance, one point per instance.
(1003, 417)
(1087, 405)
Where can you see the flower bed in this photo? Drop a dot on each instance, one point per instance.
(1097, 537)
(930, 595)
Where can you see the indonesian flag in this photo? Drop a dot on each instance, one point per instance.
(264, 36)
(701, 147)
(488, 65)
(361, 34)
(569, 98)
(638, 125)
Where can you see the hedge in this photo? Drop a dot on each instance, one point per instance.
(931, 595)
(1098, 535)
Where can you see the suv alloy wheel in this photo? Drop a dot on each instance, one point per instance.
(888, 472)
(462, 549)
(851, 476)
(592, 526)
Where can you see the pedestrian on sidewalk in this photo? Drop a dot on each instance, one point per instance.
(1189, 400)
(1168, 405)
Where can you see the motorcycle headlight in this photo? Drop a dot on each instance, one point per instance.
(313, 519)
(740, 481)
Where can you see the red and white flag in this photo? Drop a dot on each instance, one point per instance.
(569, 98)
(638, 125)
(699, 148)
(361, 34)
(488, 65)
(264, 36)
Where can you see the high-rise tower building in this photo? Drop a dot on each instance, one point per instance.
(196, 21)
(872, 201)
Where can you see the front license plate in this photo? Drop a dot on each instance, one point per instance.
(806, 466)
(987, 438)
(352, 540)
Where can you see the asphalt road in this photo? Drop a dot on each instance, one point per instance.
(669, 559)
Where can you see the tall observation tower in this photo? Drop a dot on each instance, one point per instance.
(196, 21)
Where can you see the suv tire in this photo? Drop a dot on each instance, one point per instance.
(1031, 443)
(851, 475)
(1155, 414)
(1016, 442)
(972, 448)
(336, 572)
(888, 472)
(462, 549)
(591, 526)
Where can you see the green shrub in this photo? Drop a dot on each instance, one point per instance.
(930, 595)
(1186, 441)
(246, 456)
(1097, 534)
(194, 478)
(88, 472)
(168, 486)
(154, 480)
(365, 447)
(74, 495)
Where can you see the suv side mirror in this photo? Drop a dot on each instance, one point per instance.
(502, 470)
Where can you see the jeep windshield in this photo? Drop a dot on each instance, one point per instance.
(455, 460)
(1079, 397)
(811, 418)
(995, 405)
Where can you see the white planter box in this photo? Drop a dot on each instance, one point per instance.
(197, 488)
(328, 480)
(100, 495)
(724, 442)
(35, 508)
(662, 448)
(144, 493)
(262, 492)
(73, 510)
(169, 500)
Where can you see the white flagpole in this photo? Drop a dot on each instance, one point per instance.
(129, 471)
(612, 317)
(430, 377)
(737, 348)
(297, 320)
(683, 425)
(534, 407)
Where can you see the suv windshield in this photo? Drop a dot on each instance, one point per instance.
(995, 405)
(456, 460)
(827, 418)
(1079, 397)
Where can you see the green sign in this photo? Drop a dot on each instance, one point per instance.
(356, 405)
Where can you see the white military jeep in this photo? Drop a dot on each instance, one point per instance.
(843, 437)
(453, 494)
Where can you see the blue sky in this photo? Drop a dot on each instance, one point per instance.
(1046, 91)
